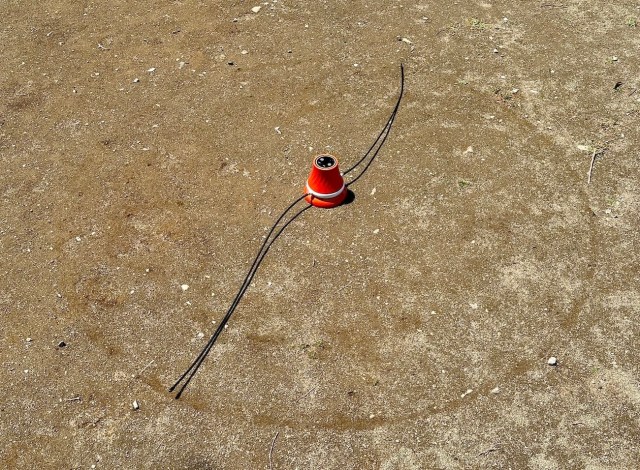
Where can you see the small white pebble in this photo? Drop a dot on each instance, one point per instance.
(200, 335)
(151, 70)
(256, 9)
(495, 51)
(376, 231)
(614, 58)
(29, 340)
(136, 80)
(184, 287)
(469, 390)
(495, 390)
(135, 405)
(373, 191)
(244, 52)
(371, 416)
(553, 361)
(78, 239)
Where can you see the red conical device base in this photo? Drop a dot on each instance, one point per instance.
(325, 185)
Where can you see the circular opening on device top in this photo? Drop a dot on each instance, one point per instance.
(325, 161)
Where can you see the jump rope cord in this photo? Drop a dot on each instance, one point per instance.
(268, 241)
(245, 284)
(191, 372)
(383, 133)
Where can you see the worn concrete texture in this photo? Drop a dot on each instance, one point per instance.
(148, 145)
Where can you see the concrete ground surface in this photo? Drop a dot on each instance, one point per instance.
(149, 145)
